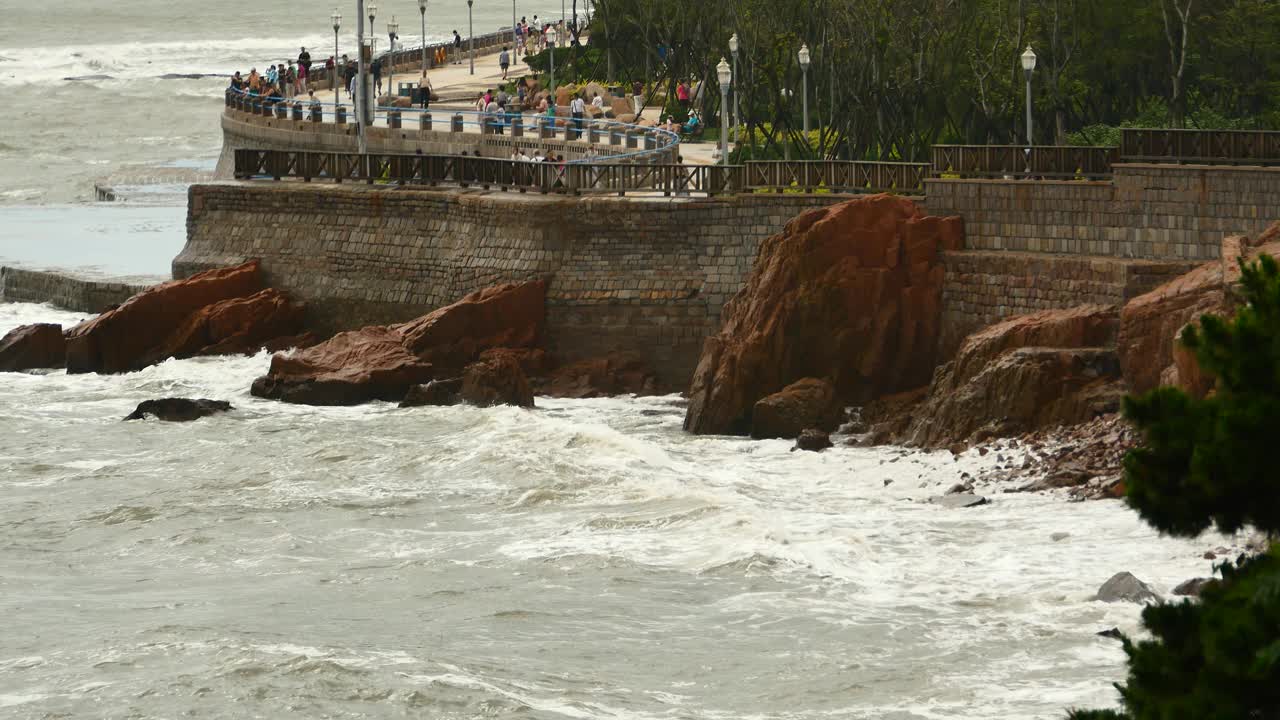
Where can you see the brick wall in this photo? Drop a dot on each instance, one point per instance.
(984, 286)
(647, 275)
(1149, 212)
(35, 286)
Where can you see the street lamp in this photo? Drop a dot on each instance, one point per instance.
(1028, 68)
(471, 33)
(336, 17)
(804, 69)
(733, 50)
(393, 32)
(422, 10)
(361, 99)
(515, 37)
(725, 75)
(551, 41)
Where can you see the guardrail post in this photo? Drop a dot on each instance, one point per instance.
(282, 111)
(393, 119)
(517, 126)
(593, 134)
(456, 124)
(297, 111)
(424, 122)
(340, 115)
(633, 139)
(615, 136)
(317, 114)
(547, 129)
(650, 142)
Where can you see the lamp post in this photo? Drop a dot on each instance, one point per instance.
(733, 50)
(725, 75)
(1028, 68)
(336, 17)
(515, 37)
(804, 70)
(422, 10)
(361, 69)
(551, 41)
(393, 32)
(471, 34)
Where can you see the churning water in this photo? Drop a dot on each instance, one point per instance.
(583, 560)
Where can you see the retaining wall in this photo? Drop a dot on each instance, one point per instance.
(70, 293)
(648, 275)
(1148, 212)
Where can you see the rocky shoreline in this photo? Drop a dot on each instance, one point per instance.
(841, 309)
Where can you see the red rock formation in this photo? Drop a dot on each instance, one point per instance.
(240, 326)
(496, 381)
(614, 374)
(132, 336)
(1150, 324)
(1033, 371)
(851, 293)
(808, 404)
(384, 362)
(33, 346)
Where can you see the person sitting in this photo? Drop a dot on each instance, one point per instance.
(693, 127)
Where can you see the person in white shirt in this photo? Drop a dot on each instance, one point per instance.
(578, 109)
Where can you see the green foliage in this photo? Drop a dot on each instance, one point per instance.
(1210, 463)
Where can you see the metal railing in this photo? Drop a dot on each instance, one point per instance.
(615, 139)
(1015, 161)
(569, 177)
(1200, 147)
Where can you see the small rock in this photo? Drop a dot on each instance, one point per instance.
(1124, 587)
(958, 449)
(1059, 536)
(959, 488)
(982, 452)
(1192, 587)
(961, 500)
(888, 482)
(1113, 633)
(178, 409)
(813, 441)
(1209, 555)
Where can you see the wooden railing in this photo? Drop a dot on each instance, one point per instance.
(1014, 161)
(1201, 147)
(581, 177)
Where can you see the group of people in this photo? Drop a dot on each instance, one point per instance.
(286, 80)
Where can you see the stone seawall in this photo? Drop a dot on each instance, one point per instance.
(983, 287)
(1148, 212)
(648, 275)
(70, 293)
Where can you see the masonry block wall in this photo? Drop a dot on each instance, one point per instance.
(645, 275)
(1148, 212)
(70, 293)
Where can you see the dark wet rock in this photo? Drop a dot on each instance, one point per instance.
(178, 409)
(1124, 587)
(438, 393)
(496, 381)
(959, 500)
(1059, 536)
(1192, 587)
(33, 346)
(1113, 633)
(813, 441)
(806, 404)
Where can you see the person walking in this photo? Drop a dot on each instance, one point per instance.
(377, 75)
(304, 61)
(424, 88)
(637, 97)
(457, 48)
(578, 109)
(504, 62)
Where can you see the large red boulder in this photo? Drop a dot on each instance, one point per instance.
(215, 311)
(239, 326)
(808, 404)
(33, 346)
(385, 362)
(851, 293)
(1056, 367)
